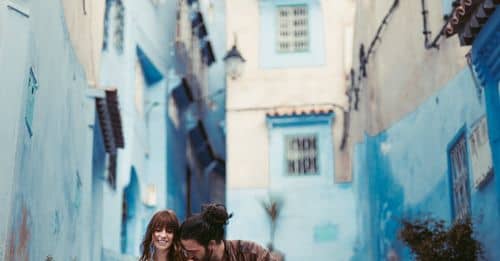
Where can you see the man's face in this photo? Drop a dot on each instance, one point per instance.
(194, 251)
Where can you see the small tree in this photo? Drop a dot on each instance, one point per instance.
(429, 239)
(272, 205)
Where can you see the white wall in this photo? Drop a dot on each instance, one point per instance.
(259, 90)
(318, 220)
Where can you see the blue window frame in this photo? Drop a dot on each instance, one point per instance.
(459, 176)
(301, 150)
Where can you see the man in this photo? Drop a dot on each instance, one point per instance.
(202, 239)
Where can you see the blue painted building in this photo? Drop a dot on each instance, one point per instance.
(90, 151)
(424, 138)
(407, 171)
(196, 167)
(54, 106)
(136, 57)
(485, 57)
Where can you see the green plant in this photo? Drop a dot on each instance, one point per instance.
(272, 205)
(429, 239)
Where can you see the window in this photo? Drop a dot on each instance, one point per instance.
(291, 34)
(301, 155)
(120, 26)
(480, 154)
(459, 178)
(30, 101)
(106, 25)
(116, 8)
(301, 150)
(293, 28)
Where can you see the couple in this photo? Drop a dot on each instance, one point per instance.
(199, 238)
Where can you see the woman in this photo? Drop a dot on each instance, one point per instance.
(161, 241)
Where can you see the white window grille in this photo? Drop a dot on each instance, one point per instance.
(114, 25)
(301, 155)
(460, 178)
(105, 40)
(293, 28)
(119, 32)
(480, 153)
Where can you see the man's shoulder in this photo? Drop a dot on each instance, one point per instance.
(246, 246)
(250, 249)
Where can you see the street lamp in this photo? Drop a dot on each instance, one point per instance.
(234, 62)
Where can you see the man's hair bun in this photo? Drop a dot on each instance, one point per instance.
(215, 214)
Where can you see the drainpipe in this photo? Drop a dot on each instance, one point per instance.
(426, 31)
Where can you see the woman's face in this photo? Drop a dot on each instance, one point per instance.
(163, 239)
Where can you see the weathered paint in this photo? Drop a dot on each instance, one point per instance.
(49, 171)
(403, 172)
(19, 237)
(12, 48)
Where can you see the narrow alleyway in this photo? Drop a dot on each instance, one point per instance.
(330, 130)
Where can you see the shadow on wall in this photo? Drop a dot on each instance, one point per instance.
(385, 199)
(130, 220)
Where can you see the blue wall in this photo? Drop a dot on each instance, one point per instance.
(217, 79)
(403, 172)
(485, 56)
(176, 170)
(148, 41)
(98, 176)
(211, 113)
